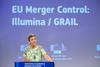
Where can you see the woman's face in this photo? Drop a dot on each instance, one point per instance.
(33, 41)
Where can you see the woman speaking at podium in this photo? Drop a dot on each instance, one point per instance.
(34, 52)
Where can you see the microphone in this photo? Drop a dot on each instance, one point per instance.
(34, 57)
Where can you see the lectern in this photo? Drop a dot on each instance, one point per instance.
(34, 64)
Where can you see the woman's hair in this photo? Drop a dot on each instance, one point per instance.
(31, 35)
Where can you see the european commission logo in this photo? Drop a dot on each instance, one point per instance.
(22, 48)
(59, 51)
(57, 48)
(98, 47)
(97, 56)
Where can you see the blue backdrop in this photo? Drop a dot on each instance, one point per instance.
(69, 30)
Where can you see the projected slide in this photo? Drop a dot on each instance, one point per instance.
(68, 30)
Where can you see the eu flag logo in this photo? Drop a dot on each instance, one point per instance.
(98, 47)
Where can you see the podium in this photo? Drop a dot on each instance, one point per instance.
(34, 64)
